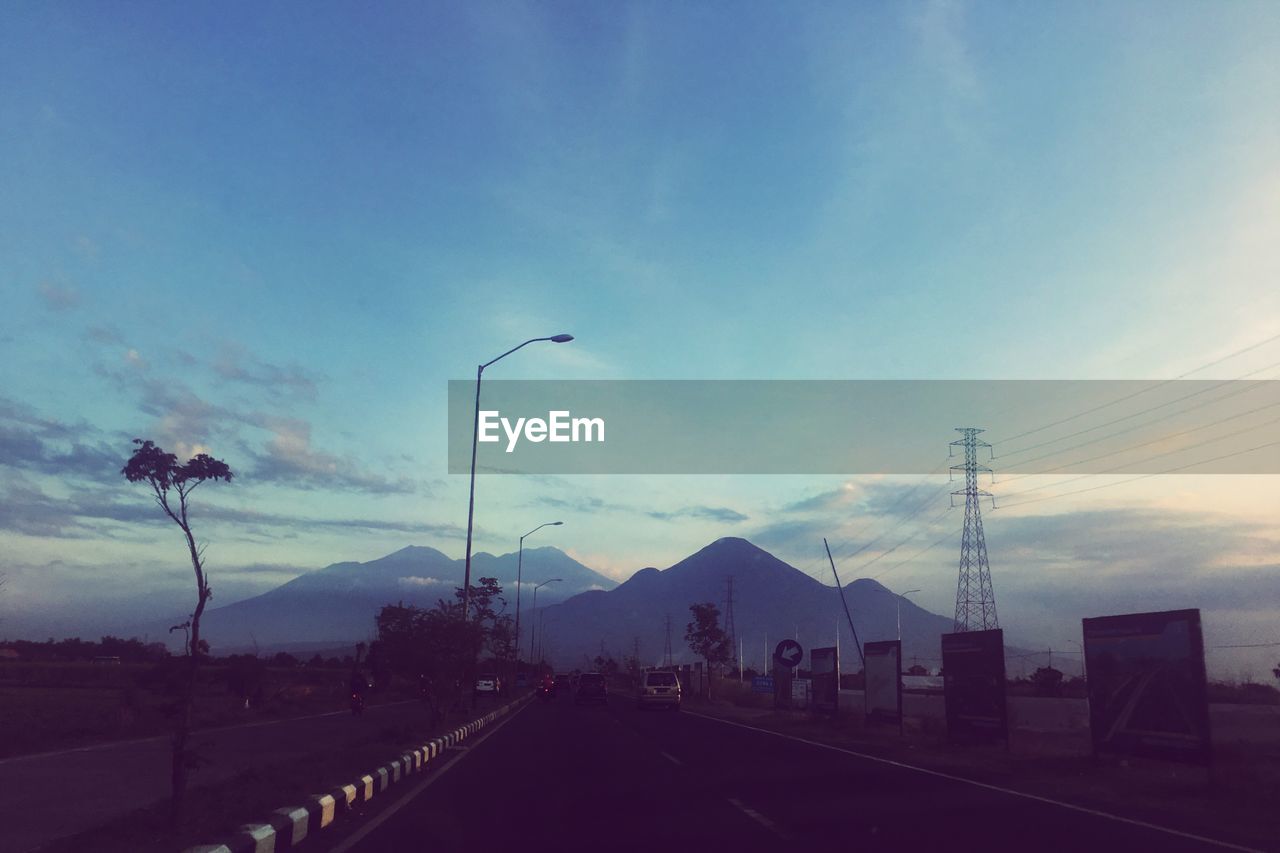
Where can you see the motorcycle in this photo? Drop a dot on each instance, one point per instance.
(357, 704)
(545, 692)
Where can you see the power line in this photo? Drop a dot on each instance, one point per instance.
(1158, 455)
(1141, 476)
(1134, 446)
(1165, 404)
(1160, 384)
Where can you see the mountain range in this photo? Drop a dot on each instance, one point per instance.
(337, 604)
(585, 613)
(771, 601)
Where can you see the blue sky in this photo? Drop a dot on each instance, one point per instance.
(276, 232)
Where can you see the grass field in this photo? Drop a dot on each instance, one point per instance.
(50, 706)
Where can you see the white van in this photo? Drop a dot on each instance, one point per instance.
(659, 688)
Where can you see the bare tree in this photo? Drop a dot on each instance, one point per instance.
(169, 481)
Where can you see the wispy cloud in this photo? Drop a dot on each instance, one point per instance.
(289, 459)
(235, 363)
(58, 297)
(718, 514)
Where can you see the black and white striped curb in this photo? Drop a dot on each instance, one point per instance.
(288, 827)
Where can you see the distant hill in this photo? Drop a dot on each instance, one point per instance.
(772, 600)
(337, 604)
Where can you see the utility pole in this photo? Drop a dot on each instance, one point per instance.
(666, 653)
(975, 598)
(729, 628)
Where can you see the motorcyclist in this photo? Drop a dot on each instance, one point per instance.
(548, 685)
(357, 687)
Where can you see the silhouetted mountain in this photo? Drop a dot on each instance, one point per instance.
(337, 604)
(772, 600)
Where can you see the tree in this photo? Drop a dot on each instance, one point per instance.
(437, 647)
(706, 638)
(172, 482)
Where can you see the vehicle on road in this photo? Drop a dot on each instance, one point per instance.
(488, 685)
(658, 690)
(357, 704)
(564, 682)
(592, 687)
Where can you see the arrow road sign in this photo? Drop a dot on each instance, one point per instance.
(789, 653)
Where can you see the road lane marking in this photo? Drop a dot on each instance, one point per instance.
(1023, 794)
(671, 758)
(760, 819)
(409, 796)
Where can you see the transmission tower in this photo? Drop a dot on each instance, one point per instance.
(975, 599)
(729, 628)
(666, 652)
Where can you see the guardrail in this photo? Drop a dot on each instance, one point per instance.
(289, 826)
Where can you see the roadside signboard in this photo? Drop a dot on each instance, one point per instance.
(762, 684)
(883, 677)
(1147, 685)
(824, 665)
(973, 685)
(789, 653)
(801, 692)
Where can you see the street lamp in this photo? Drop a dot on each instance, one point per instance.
(899, 596)
(519, 569)
(535, 602)
(475, 436)
(1084, 667)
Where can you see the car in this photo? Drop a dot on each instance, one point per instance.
(563, 682)
(658, 689)
(488, 685)
(592, 687)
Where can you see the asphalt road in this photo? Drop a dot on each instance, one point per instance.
(560, 777)
(53, 795)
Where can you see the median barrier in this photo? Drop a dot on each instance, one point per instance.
(290, 826)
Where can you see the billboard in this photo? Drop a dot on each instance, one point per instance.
(1147, 686)
(825, 673)
(973, 685)
(883, 676)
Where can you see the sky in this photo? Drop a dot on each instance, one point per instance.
(273, 234)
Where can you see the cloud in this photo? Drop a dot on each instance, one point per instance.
(27, 509)
(58, 297)
(235, 364)
(31, 442)
(427, 582)
(108, 334)
(719, 514)
(289, 458)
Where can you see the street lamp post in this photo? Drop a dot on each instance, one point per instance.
(535, 605)
(475, 437)
(1084, 667)
(519, 570)
(899, 596)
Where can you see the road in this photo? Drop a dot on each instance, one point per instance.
(53, 795)
(560, 777)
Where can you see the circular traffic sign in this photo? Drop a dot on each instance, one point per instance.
(788, 653)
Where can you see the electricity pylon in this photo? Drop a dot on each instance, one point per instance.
(975, 598)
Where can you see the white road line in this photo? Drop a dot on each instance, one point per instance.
(671, 758)
(1011, 792)
(376, 821)
(760, 819)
